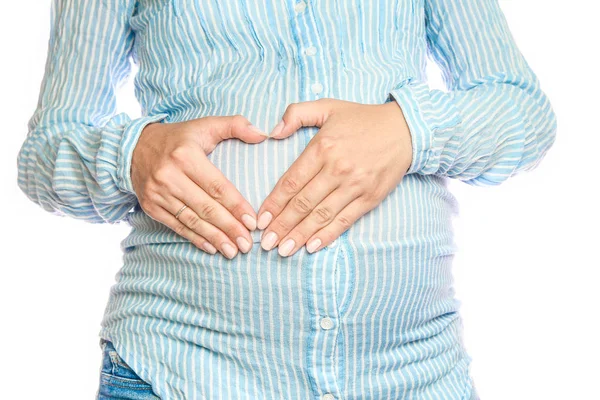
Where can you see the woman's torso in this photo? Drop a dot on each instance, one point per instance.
(197, 325)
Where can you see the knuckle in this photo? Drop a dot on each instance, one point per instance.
(280, 226)
(323, 215)
(216, 188)
(163, 174)
(207, 211)
(289, 184)
(292, 108)
(302, 204)
(152, 197)
(344, 222)
(193, 222)
(325, 144)
(271, 205)
(179, 154)
(180, 229)
(359, 179)
(341, 167)
(238, 119)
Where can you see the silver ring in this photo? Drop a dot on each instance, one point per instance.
(180, 211)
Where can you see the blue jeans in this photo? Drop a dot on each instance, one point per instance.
(118, 380)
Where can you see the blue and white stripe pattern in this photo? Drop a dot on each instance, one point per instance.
(372, 316)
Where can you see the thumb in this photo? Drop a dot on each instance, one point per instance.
(306, 113)
(238, 126)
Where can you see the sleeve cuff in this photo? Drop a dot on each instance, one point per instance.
(413, 100)
(129, 140)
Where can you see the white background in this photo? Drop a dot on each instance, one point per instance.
(526, 271)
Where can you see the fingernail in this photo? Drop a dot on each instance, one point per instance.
(286, 248)
(258, 130)
(313, 244)
(249, 221)
(277, 130)
(228, 250)
(243, 244)
(264, 219)
(209, 248)
(269, 240)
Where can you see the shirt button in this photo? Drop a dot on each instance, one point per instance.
(326, 323)
(316, 88)
(328, 396)
(300, 6)
(311, 51)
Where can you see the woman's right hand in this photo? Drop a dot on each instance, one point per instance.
(170, 168)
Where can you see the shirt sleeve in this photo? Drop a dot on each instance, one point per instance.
(76, 158)
(494, 121)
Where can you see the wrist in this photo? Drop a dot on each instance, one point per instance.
(128, 143)
(400, 125)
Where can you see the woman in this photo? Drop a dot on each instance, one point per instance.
(360, 304)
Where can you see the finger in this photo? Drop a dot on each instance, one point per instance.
(302, 171)
(342, 221)
(306, 113)
(320, 217)
(234, 126)
(165, 217)
(300, 206)
(210, 210)
(196, 224)
(208, 177)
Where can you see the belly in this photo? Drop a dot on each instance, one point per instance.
(397, 257)
(386, 284)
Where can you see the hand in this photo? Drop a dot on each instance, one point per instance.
(360, 154)
(170, 168)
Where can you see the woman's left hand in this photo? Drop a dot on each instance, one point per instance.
(359, 155)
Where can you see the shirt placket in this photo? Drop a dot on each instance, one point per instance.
(308, 56)
(322, 355)
(320, 282)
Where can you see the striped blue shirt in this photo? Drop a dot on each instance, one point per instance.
(371, 316)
